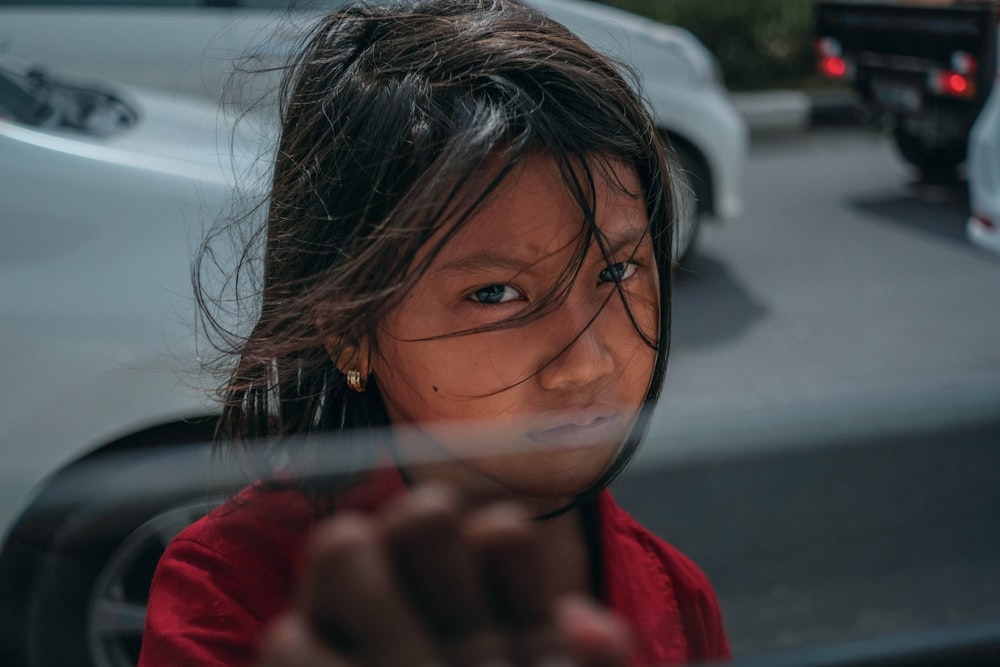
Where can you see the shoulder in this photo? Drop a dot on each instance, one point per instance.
(667, 579)
(255, 517)
(632, 536)
(225, 576)
(259, 529)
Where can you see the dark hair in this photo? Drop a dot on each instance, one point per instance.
(390, 115)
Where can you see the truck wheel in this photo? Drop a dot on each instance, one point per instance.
(84, 554)
(936, 163)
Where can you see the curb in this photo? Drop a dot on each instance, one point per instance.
(791, 111)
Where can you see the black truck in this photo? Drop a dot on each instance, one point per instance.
(924, 66)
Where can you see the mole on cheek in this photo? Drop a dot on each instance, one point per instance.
(434, 388)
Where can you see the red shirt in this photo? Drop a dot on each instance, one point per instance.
(223, 578)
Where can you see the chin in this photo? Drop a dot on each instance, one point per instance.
(563, 475)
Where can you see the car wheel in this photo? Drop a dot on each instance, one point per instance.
(936, 163)
(75, 572)
(116, 612)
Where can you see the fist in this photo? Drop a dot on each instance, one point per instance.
(429, 582)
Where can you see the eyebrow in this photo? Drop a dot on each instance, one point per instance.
(631, 239)
(492, 258)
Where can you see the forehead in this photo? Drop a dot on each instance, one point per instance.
(533, 215)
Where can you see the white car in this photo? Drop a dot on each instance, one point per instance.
(179, 46)
(104, 191)
(983, 168)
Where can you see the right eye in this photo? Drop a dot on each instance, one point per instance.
(495, 294)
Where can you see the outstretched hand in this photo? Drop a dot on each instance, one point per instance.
(426, 583)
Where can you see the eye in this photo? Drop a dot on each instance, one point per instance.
(494, 294)
(618, 273)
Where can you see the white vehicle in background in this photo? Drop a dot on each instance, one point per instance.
(180, 47)
(104, 191)
(983, 169)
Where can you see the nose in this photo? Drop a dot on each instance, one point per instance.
(581, 354)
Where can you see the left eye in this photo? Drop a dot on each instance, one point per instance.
(494, 294)
(617, 273)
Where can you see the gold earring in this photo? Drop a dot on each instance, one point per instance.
(354, 380)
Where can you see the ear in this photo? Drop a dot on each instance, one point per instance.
(351, 357)
(347, 355)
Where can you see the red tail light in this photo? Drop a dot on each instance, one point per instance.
(834, 67)
(953, 84)
(831, 62)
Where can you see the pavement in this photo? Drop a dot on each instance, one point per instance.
(772, 112)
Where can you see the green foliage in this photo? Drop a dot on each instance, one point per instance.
(759, 43)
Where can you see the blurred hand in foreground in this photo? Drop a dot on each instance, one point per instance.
(428, 583)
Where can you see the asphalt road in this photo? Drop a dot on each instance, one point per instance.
(828, 445)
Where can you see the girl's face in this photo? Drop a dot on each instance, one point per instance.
(557, 395)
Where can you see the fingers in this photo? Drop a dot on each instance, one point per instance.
(440, 572)
(290, 643)
(425, 584)
(510, 557)
(437, 568)
(352, 599)
(597, 638)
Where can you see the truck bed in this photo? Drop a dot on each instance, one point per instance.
(928, 66)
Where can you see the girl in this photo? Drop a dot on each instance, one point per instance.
(468, 233)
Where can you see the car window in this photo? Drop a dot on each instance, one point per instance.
(826, 444)
(16, 99)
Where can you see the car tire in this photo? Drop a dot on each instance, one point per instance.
(936, 163)
(83, 556)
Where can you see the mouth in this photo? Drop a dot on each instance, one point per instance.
(579, 430)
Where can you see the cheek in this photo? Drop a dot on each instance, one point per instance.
(635, 348)
(645, 318)
(643, 307)
(413, 365)
(407, 380)
(450, 378)
(467, 366)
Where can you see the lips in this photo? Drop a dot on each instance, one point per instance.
(578, 429)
